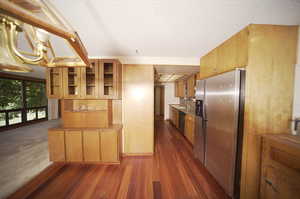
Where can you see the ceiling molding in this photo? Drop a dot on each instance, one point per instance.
(192, 61)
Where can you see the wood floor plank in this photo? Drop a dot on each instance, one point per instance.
(172, 173)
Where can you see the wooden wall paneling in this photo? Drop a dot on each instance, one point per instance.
(242, 38)
(117, 111)
(91, 145)
(269, 94)
(74, 150)
(109, 145)
(56, 145)
(138, 104)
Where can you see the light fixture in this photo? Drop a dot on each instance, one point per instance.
(52, 41)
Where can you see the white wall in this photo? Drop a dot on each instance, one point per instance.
(169, 97)
(296, 112)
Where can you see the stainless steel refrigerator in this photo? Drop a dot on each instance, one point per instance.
(219, 127)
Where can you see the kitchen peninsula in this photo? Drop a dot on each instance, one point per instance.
(91, 127)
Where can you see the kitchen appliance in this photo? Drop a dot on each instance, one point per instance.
(181, 122)
(219, 127)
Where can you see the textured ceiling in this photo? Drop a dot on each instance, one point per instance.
(168, 28)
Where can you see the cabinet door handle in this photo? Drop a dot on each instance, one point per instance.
(269, 182)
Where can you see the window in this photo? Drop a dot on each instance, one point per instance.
(21, 101)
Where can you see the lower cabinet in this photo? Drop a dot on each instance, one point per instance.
(280, 169)
(73, 140)
(189, 130)
(91, 145)
(85, 145)
(56, 144)
(109, 146)
(174, 117)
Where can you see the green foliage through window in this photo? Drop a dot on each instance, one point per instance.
(17, 110)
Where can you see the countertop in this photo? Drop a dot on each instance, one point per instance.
(182, 109)
(112, 127)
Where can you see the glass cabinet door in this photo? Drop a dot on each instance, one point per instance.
(107, 71)
(90, 81)
(54, 83)
(71, 82)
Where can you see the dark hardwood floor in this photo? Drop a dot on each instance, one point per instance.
(171, 173)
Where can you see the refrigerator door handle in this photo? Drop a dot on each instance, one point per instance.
(204, 116)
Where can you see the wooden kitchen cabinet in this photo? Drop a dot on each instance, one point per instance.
(110, 75)
(85, 145)
(229, 55)
(176, 87)
(280, 177)
(269, 54)
(54, 82)
(73, 141)
(86, 113)
(109, 145)
(56, 145)
(90, 80)
(71, 82)
(189, 130)
(103, 80)
(174, 116)
(191, 83)
(180, 88)
(91, 145)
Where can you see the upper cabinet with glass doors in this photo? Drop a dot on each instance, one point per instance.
(102, 80)
(110, 72)
(90, 80)
(71, 82)
(54, 83)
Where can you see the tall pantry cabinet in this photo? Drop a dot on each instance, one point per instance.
(268, 53)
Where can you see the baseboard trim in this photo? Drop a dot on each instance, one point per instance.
(137, 154)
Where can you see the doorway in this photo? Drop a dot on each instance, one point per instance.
(159, 102)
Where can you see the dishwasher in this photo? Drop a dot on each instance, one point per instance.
(181, 122)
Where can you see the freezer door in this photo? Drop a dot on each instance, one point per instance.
(222, 109)
(200, 89)
(199, 144)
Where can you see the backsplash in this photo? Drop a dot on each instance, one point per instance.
(189, 103)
